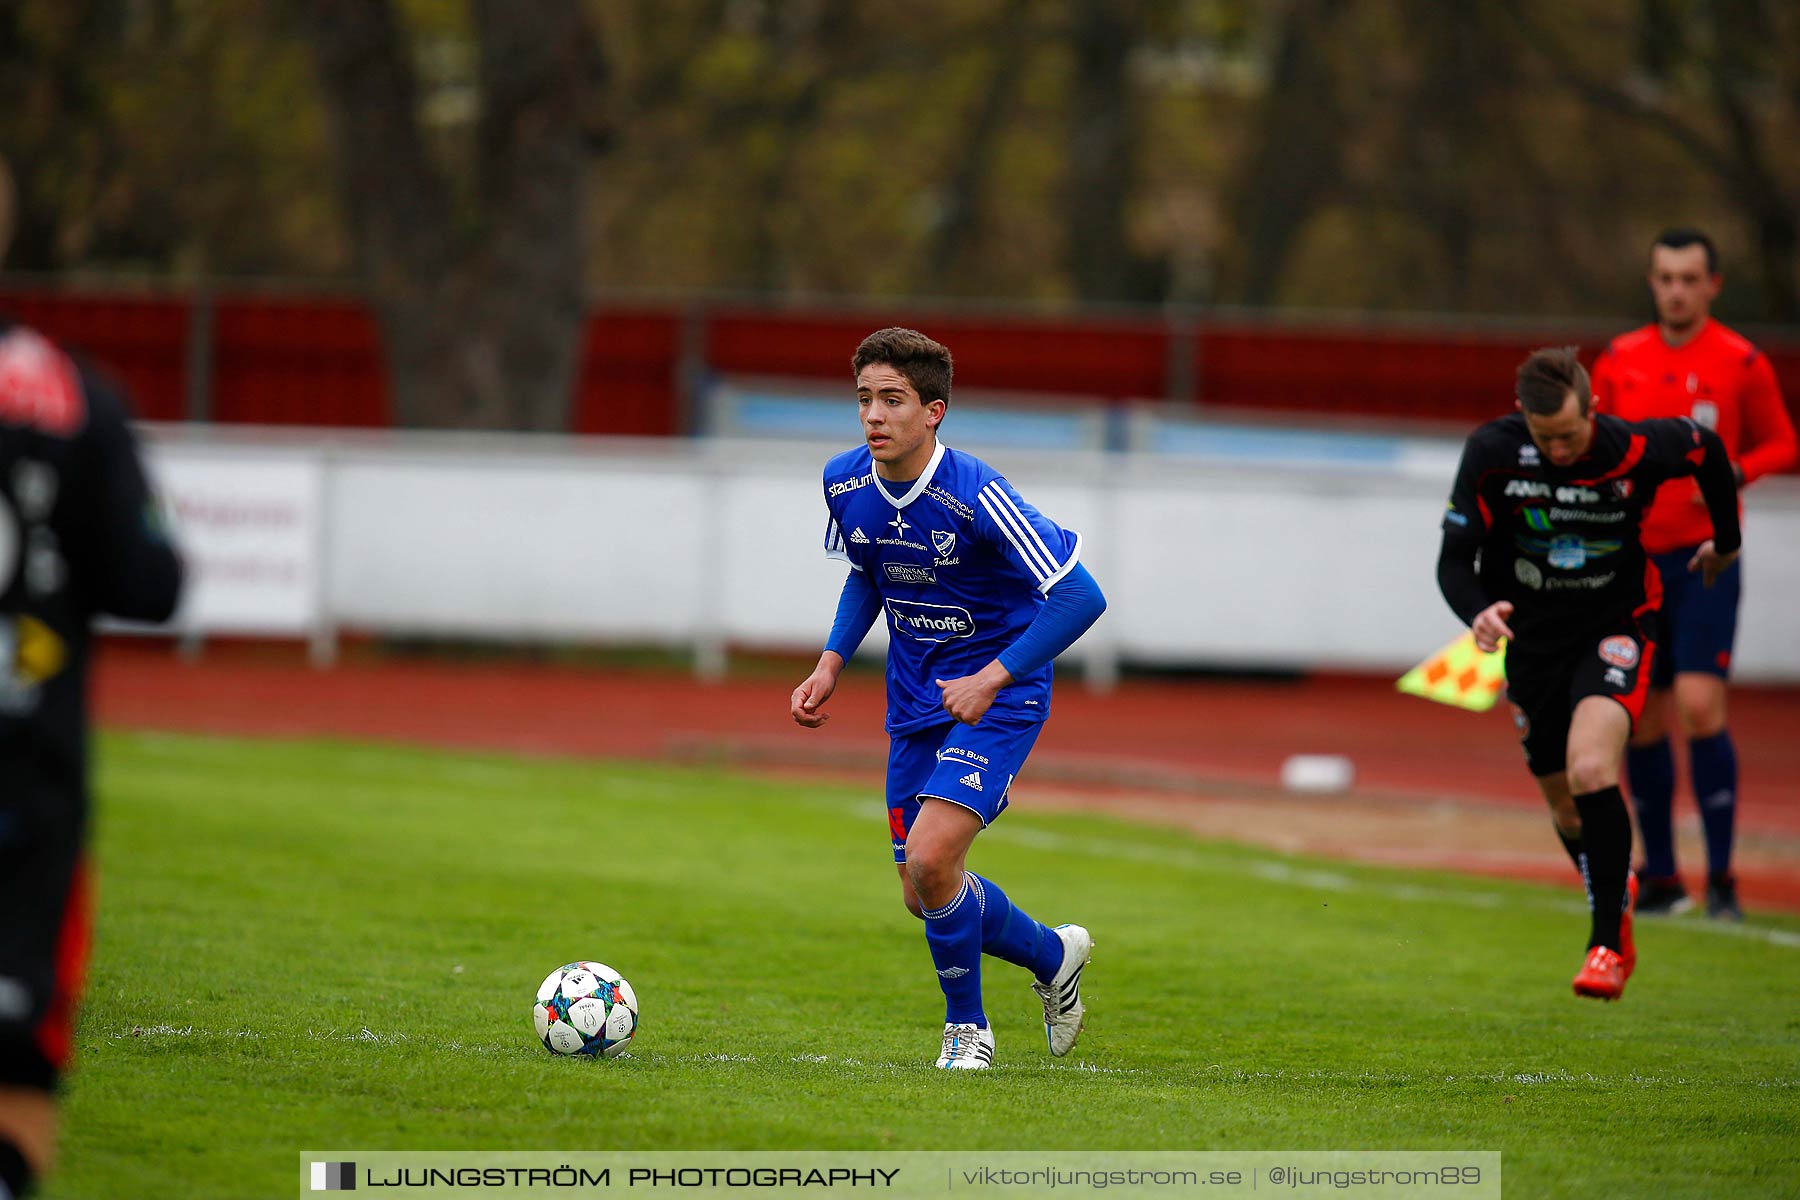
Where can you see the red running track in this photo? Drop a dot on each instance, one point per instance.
(1184, 739)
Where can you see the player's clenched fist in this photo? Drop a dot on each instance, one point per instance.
(968, 698)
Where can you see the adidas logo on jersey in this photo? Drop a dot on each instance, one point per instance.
(859, 537)
(971, 780)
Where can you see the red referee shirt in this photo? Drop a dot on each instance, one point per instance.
(1720, 380)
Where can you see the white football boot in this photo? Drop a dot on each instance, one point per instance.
(1063, 1008)
(967, 1048)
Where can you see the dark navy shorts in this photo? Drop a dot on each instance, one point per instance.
(969, 765)
(1698, 624)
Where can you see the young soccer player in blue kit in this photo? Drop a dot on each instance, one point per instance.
(981, 592)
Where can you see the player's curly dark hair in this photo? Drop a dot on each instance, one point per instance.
(1548, 376)
(925, 363)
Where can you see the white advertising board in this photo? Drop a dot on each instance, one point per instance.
(250, 526)
(718, 543)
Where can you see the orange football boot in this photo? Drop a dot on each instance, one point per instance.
(1602, 976)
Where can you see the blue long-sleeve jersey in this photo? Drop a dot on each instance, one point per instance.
(961, 563)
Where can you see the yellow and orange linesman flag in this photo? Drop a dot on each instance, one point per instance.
(1460, 674)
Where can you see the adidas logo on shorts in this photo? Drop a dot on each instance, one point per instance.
(859, 537)
(971, 780)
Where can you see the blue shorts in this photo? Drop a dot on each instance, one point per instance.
(1698, 624)
(969, 765)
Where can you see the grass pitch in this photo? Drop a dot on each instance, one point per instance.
(336, 945)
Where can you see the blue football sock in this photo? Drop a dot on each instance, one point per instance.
(1714, 763)
(1651, 770)
(1008, 933)
(954, 934)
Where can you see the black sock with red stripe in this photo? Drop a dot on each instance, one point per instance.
(1606, 842)
(16, 1176)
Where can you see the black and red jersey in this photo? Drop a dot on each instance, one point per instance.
(1563, 544)
(79, 536)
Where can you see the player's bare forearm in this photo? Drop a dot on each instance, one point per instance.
(968, 697)
(815, 690)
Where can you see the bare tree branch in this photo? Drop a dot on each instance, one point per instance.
(1564, 65)
(1740, 162)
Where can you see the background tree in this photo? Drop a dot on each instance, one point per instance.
(478, 287)
(1719, 81)
(170, 141)
(1294, 158)
(442, 157)
(1105, 137)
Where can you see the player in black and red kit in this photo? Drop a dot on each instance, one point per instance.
(1541, 547)
(78, 536)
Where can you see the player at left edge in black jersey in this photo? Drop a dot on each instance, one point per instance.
(78, 536)
(1541, 548)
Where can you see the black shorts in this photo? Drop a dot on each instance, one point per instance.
(44, 934)
(1545, 688)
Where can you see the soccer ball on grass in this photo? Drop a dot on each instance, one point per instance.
(585, 1008)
